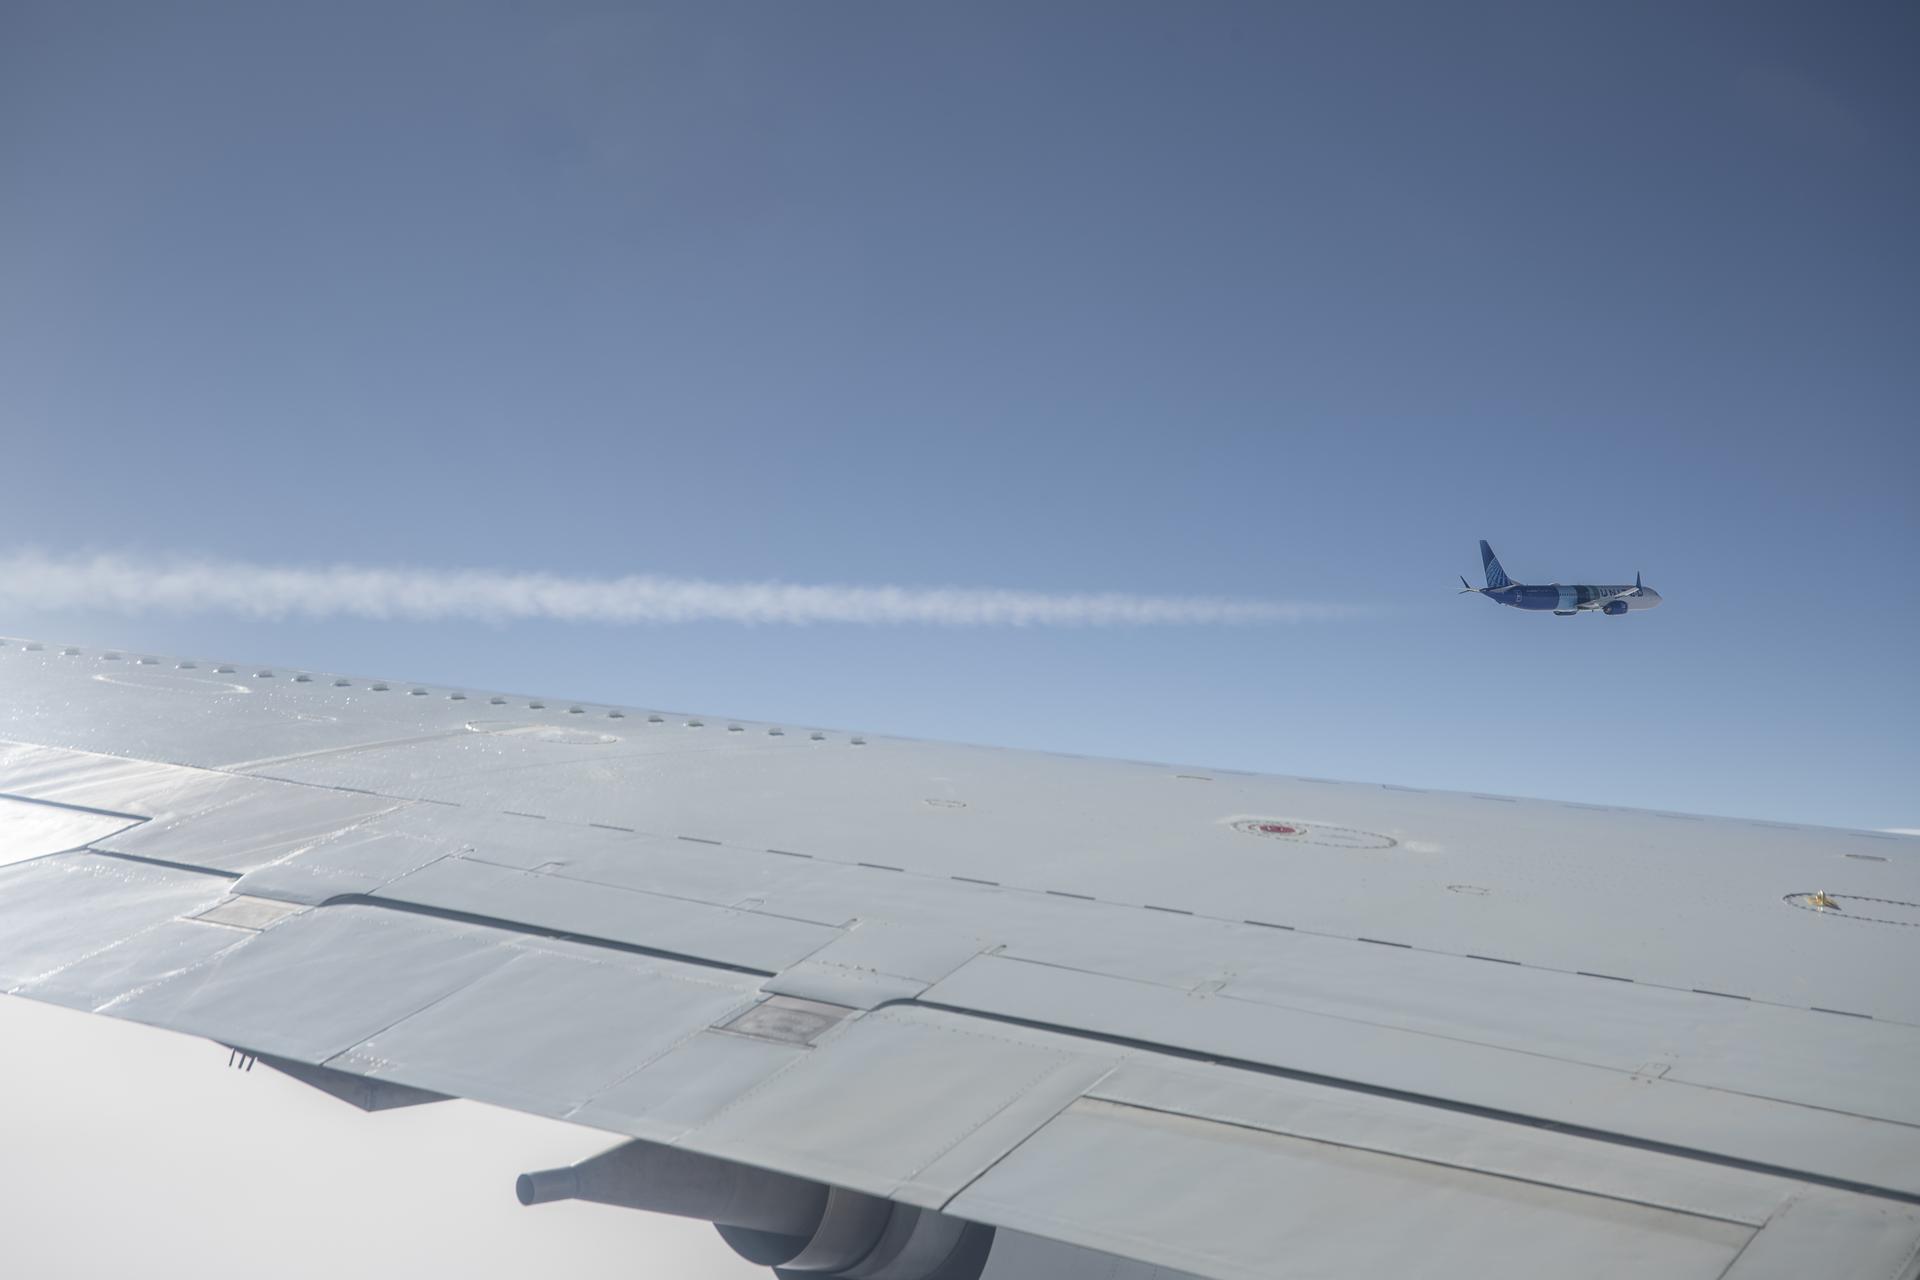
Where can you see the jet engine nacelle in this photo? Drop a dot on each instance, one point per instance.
(1614, 607)
(802, 1229)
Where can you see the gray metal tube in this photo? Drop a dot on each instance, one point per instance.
(544, 1186)
(646, 1175)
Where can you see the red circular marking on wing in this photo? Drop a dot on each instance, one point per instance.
(1278, 829)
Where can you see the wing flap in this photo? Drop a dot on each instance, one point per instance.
(551, 1028)
(1229, 1201)
(904, 1103)
(1638, 1106)
(1413, 1131)
(1828, 1233)
(60, 911)
(150, 955)
(318, 984)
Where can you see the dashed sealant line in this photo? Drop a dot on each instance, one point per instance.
(655, 718)
(1264, 924)
(1268, 924)
(1082, 897)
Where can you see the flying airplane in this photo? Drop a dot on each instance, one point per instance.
(1564, 601)
(897, 1010)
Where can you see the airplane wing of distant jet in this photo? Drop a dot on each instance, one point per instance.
(880, 1007)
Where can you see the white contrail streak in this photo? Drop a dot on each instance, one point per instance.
(39, 582)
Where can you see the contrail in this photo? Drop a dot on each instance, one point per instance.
(33, 580)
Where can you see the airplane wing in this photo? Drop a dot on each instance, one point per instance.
(890, 997)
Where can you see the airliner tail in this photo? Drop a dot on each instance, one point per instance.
(1496, 576)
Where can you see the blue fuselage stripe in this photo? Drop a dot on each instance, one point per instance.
(1556, 597)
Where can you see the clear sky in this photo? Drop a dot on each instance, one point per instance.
(1274, 302)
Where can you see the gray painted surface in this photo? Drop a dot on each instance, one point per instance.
(1200, 1019)
(1230, 1201)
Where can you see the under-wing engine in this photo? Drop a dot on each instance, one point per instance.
(797, 1226)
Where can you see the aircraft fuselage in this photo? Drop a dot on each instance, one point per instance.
(1567, 599)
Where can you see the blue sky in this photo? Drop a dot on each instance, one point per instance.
(1247, 300)
(1289, 302)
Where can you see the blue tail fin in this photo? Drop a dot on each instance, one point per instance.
(1496, 576)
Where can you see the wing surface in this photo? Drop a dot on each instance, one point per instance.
(1226, 1024)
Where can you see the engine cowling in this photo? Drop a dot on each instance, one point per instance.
(804, 1230)
(1614, 608)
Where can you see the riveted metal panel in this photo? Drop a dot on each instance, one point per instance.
(709, 932)
(135, 788)
(146, 956)
(355, 861)
(549, 1028)
(1855, 1065)
(879, 1105)
(57, 911)
(33, 829)
(244, 823)
(1392, 1126)
(690, 1084)
(319, 983)
(1235, 1203)
(1832, 1234)
(1638, 1105)
(874, 963)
